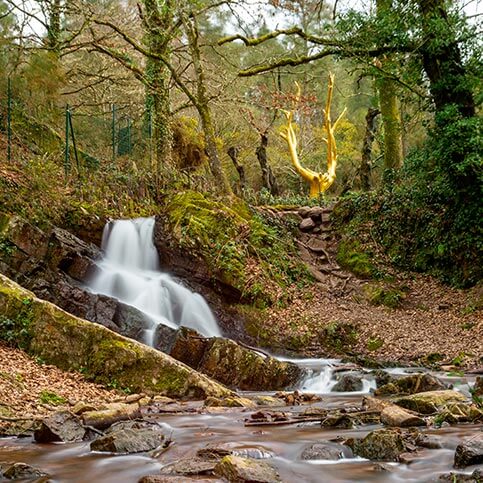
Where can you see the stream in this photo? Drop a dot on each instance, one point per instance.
(129, 271)
(284, 444)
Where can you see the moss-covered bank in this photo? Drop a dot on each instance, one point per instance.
(70, 343)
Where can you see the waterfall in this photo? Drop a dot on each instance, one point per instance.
(129, 271)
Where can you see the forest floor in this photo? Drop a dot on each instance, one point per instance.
(30, 389)
(431, 323)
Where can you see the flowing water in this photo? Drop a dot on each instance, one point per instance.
(129, 271)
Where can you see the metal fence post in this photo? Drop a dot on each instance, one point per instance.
(113, 132)
(74, 145)
(9, 120)
(67, 126)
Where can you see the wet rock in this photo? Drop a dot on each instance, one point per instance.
(229, 402)
(382, 377)
(337, 420)
(296, 398)
(348, 383)
(60, 426)
(307, 224)
(245, 470)
(454, 413)
(176, 479)
(475, 477)
(236, 366)
(190, 466)
(478, 388)
(189, 347)
(428, 441)
(266, 401)
(429, 402)
(470, 452)
(326, 450)
(380, 445)
(81, 407)
(415, 383)
(129, 441)
(393, 415)
(219, 451)
(21, 471)
(114, 412)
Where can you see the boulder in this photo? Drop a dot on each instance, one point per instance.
(348, 383)
(475, 477)
(393, 415)
(246, 470)
(229, 402)
(428, 441)
(412, 384)
(60, 426)
(21, 471)
(459, 412)
(218, 451)
(103, 418)
(129, 441)
(190, 467)
(236, 366)
(429, 402)
(70, 343)
(307, 224)
(176, 479)
(478, 388)
(470, 452)
(380, 445)
(326, 450)
(189, 347)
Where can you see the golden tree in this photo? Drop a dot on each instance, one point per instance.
(319, 182)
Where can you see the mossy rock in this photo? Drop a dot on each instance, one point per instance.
(231, 238)
(429, 402)
(351, 257)
(71, 343)
(391, 297)
(380, 445)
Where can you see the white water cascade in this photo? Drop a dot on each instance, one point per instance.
(129, 271)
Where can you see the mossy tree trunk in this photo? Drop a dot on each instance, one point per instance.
(388, 101)
(158, 22)
(202, 105)
(268, 178)
(54, 27)
(442, 60)
(365, 167)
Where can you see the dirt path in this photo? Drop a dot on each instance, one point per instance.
(430, 319)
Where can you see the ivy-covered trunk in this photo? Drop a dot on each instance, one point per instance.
(388, 103)
(442, 61)
(158, 22)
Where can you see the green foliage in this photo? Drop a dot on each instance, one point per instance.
(429, 218)
(245, 249)
(340, 336)
(374, 343)
(383, 295)
(49, 397)
(16, 331)
(351, 257)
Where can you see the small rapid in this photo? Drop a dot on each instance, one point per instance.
(129, 271)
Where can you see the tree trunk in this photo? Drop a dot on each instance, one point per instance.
(54, 27)
(268, 179)
(233, 153)
(388, 102)
(442, 60)
(365, 167)
(157, 21)
(203, 107)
